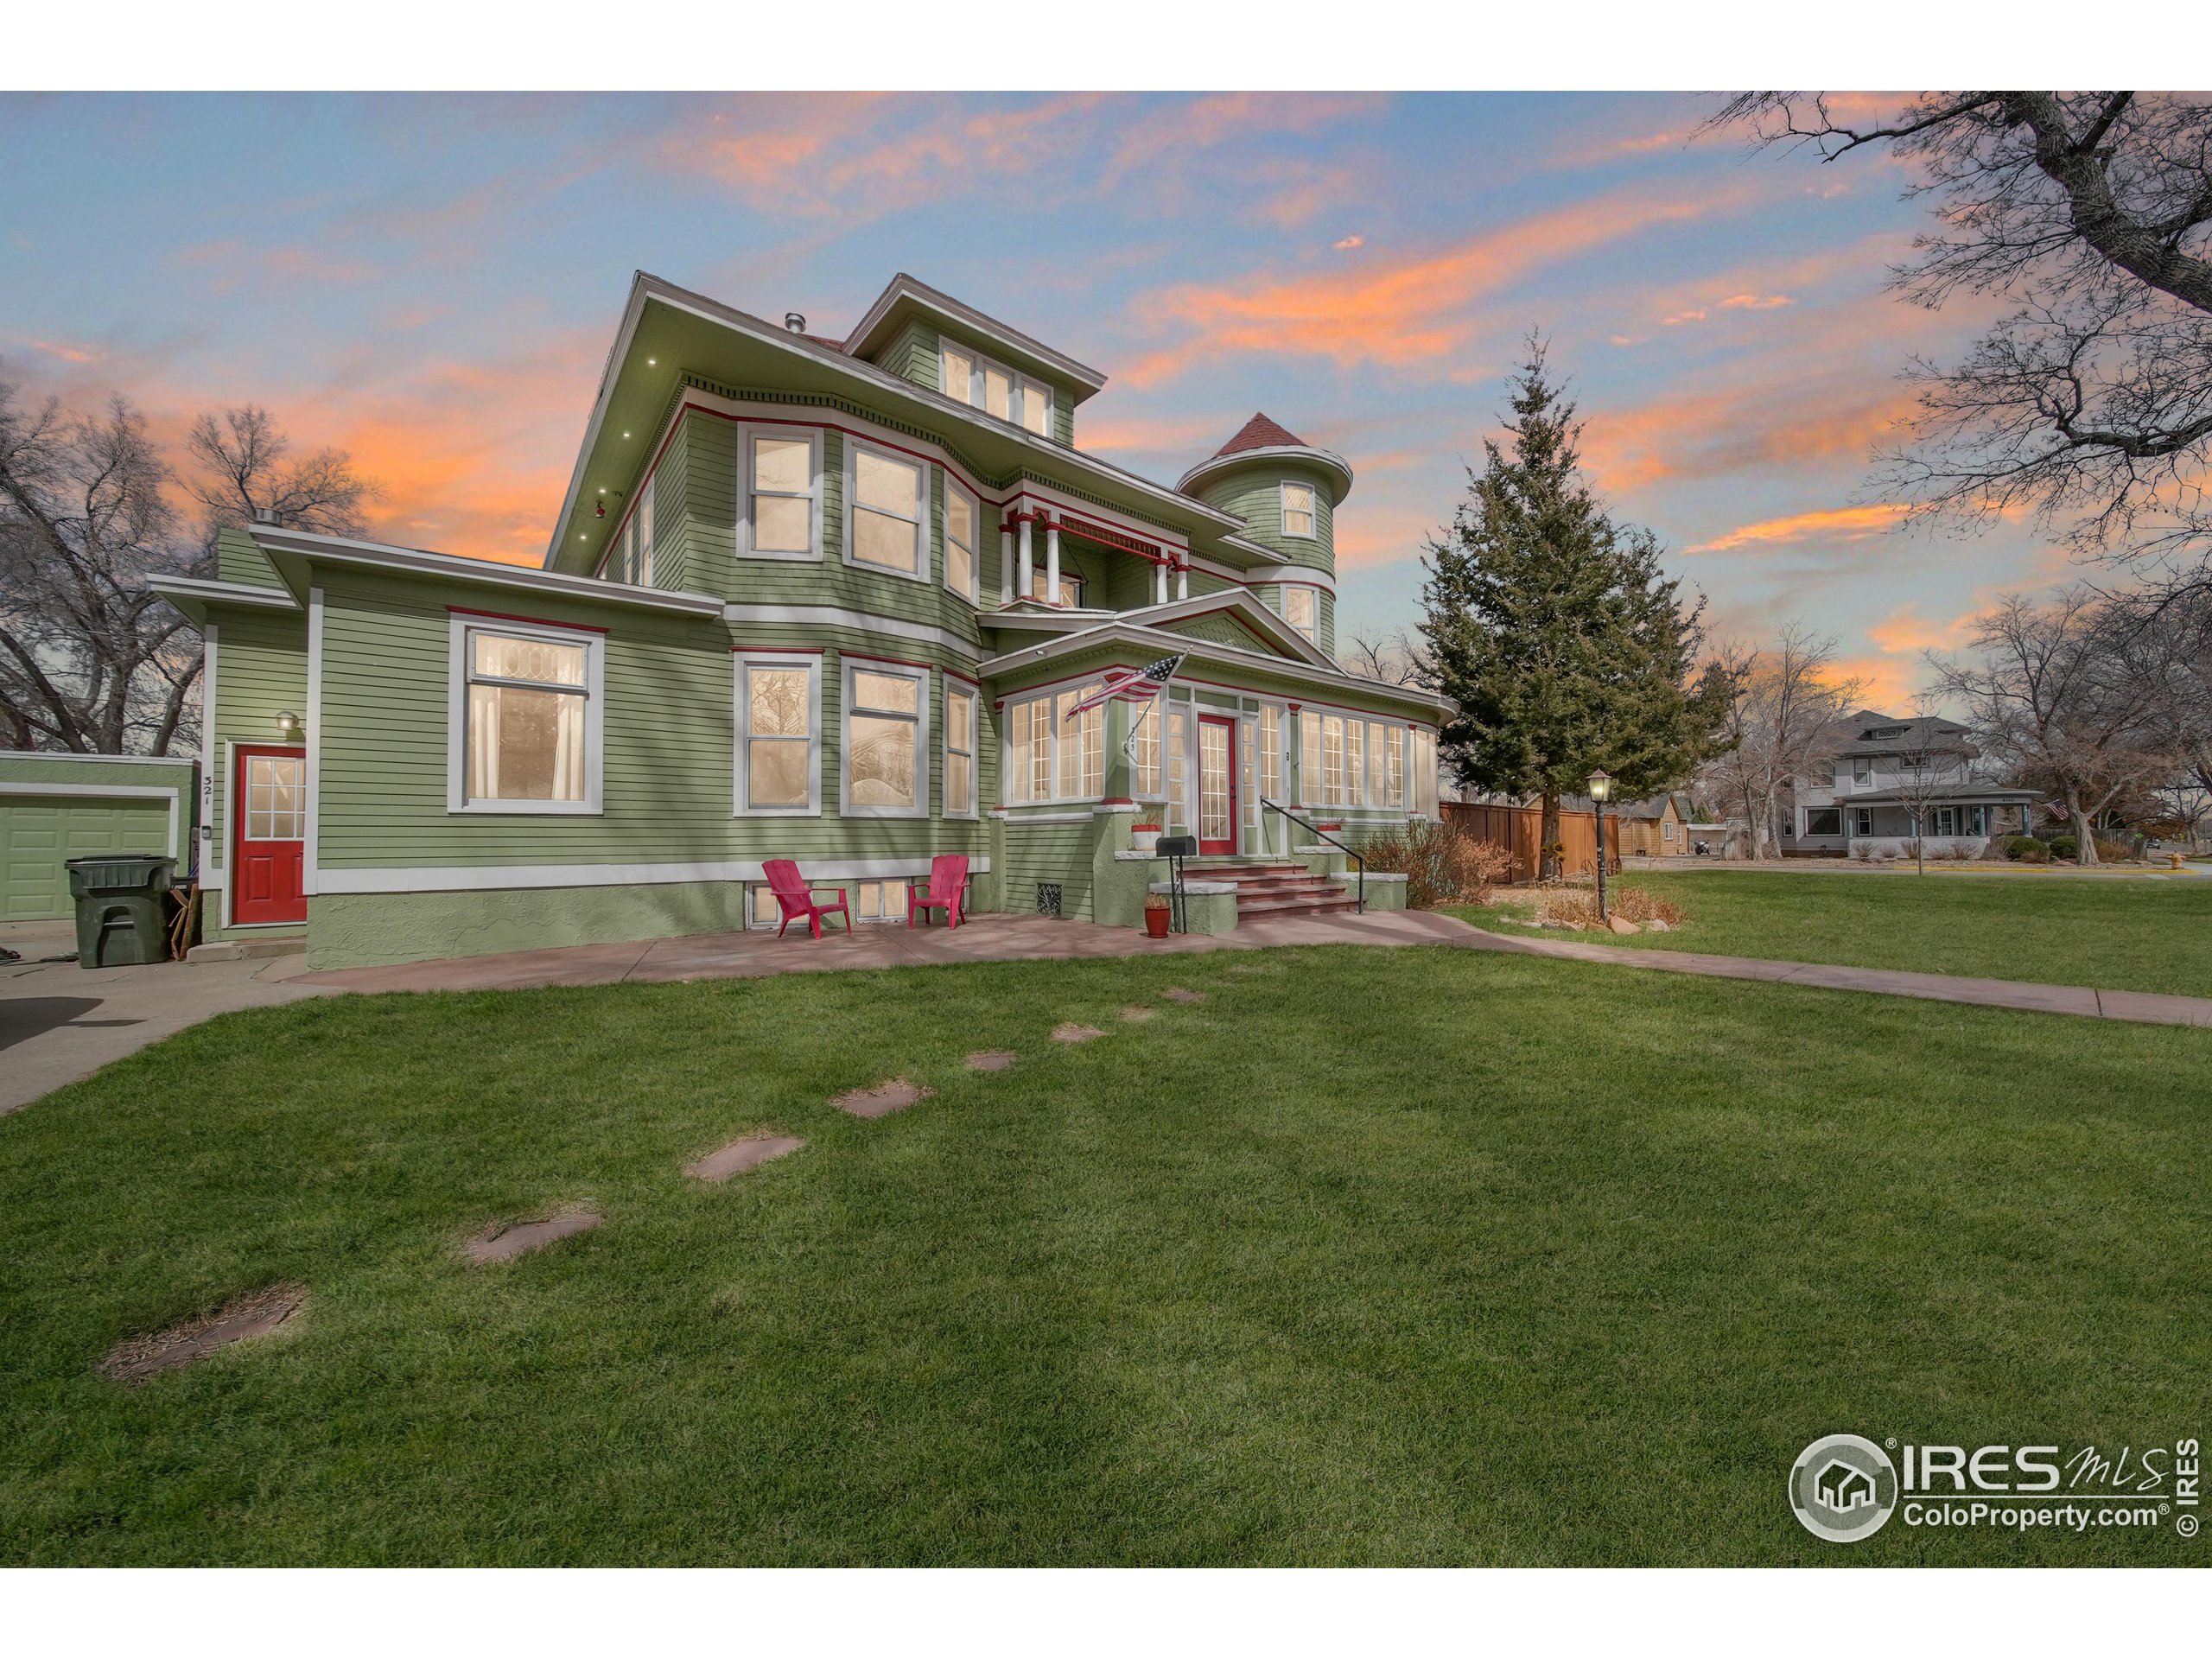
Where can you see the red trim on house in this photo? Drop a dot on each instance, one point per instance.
(1117, 800)
(903, 662)
(534, 621)
(975, 686)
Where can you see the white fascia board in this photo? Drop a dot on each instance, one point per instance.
(942, 305)
(417, 562)
(192, 595)
(1152, 638)
(484, 877)
(1327, 459)
(646, 287)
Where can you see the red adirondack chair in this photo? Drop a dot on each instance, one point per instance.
(796, 900)
(948, 885)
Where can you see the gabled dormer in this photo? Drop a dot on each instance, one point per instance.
(934, 340)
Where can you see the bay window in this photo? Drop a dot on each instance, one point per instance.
(525, 726)
(885, 746)
(782, 515)
(959, 749)
(1298, 510)
(962, 516)
(885, 511)
(779, 761)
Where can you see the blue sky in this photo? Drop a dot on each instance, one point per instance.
(432, 282)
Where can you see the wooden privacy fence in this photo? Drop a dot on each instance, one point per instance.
(1520, 830)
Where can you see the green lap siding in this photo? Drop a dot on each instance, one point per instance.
(1046, 852)
(261, 671)
(57, 807)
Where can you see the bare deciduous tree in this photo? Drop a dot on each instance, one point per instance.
(2090, 404)
(90, 661)
(1395, 661)
(2066, 692)
(1780, 725)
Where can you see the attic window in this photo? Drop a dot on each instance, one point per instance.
(996, 390)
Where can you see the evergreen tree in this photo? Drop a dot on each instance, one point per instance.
(1553, 628)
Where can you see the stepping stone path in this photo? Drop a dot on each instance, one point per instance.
(1177, 993)
(895, 1096)
(1138, 1016)
(741, 1155)
(991, 1059)
(136, 1360)
(500, 1243)
(1068, 1032)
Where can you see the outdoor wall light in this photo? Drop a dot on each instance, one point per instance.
(288, 725)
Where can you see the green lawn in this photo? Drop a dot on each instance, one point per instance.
(2113, 934)
(1377, 1256)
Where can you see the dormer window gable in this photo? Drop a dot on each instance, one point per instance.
(969, 374)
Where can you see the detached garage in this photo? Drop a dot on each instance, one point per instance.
(55, 807)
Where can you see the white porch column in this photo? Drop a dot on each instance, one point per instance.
(1182, 581)
(1006, 566)
(1160, 582)
(1052, 561)
(1022, 584)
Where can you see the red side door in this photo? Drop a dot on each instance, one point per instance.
(1216, 814)
(269, 818)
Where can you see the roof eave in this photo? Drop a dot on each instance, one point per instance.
(1326, 459)
(908, 290)
(450, 567)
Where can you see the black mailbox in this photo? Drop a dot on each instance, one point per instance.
(1178, 847)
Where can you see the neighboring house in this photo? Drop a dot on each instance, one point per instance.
(57, 806)
(1890, 780)
(805, 597)
(1654, 829)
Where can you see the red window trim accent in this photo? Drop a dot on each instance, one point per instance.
(863, 657)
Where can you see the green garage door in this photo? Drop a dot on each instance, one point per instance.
(36, 833)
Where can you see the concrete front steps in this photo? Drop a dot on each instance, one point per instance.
(1275, 889)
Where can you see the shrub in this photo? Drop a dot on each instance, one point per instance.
(2066, 849)
(1441, 862)
(1635, 904)
(2113, 852)
(1863, 851)
(2026, 849)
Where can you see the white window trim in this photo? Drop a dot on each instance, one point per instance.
(811, 437)
(952, 684)
(1288, 588)
(1313, 513)
(847, 664)
(974, 594)
(854, 448)
(459, 626)
(1049, 699)
(741, 706)
(1019, 387)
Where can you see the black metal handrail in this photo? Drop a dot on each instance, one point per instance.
(1277, 806)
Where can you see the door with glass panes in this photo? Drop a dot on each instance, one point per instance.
(268, 814)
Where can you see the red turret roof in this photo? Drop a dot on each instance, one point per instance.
(1261, 433)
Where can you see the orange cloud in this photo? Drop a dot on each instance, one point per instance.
(1886, 683)
(1903, 632)
(1824, 525)
(1207, 123)
(1411, 312)
(1740, 428)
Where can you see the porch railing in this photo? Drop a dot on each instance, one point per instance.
(1277, 806)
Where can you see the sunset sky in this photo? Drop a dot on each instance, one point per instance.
(432, 283)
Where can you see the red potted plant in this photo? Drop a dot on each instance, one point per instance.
(1158, 913)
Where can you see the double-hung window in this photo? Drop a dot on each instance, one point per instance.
(779, 734)
(525, 724)
(1298, 510)
(782, 472)
(1270, 752)
(1355, 761)
(1378, 770)
(886, 511)
(959, 748)
(1301, 608)
(886, 770)
(1332, 760)
(1053, 753)
(962, 516)
(1394, 775)
(999, 392)
(1862, 771)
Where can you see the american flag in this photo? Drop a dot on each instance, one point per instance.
(1145, 681)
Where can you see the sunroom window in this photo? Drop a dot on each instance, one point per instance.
(528, 732)
(1298, 510)
(886, 518)
(1053, 754)
(887, 769)
(1144, 746)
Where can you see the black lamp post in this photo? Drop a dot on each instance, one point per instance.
(1601, 785)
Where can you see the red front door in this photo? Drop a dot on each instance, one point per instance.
(1216, 784)
(268, 814)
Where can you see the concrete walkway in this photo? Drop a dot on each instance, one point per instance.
(60, 1022)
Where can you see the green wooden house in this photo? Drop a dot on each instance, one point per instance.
(805, 598)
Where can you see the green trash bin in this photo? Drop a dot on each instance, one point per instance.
(121, 909)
